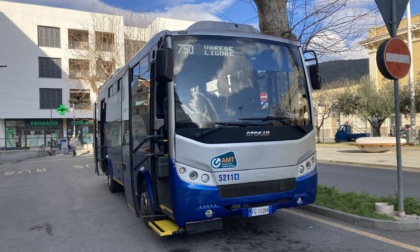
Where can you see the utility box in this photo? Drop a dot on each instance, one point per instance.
(64, 146)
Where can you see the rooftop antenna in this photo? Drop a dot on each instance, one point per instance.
(223, 15)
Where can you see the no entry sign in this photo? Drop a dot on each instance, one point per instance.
(263, 96)
(393, 59)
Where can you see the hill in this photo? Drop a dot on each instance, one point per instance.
(334, 71)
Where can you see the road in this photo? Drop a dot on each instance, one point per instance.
(376, 181)
(59, 204)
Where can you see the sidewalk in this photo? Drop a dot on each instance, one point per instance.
(348, 154)
(351, 155)
(12, 156)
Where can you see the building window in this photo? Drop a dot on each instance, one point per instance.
(78, 68)
(49, 36)
(132, 47)
(50, 98)
(104, 69)
(80, 98)
(78, 39)
(49, 67)
(104, 41)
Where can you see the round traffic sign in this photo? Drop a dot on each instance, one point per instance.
(393, 58)
(263, 96)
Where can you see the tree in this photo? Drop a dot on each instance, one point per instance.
(406, 100)
(326, 101)
(327, 26)
(103, 45)
(366, 101)
(272, 16)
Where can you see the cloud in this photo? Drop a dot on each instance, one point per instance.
(82, 5)
(195, 12)
(178, 9)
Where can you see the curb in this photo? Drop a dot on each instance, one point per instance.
(406, 168)
(385, 225)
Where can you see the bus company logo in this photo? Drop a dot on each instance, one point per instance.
(258, 133)
(227, 160)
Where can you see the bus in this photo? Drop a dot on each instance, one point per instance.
(209, 122)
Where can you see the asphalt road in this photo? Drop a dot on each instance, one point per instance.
(59, 204)
(376, 181)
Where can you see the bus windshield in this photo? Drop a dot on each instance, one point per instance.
(223, 81)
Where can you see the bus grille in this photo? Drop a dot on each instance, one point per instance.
(256, 188)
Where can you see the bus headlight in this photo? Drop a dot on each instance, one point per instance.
(193, 175)
(182, 170)
(307, 167)
(205, 178)
(301, 169)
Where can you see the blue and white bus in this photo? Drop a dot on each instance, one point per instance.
(209, 122)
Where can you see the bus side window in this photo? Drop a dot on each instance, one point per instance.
(160, 100)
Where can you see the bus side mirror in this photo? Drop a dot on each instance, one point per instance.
(313, 68)
(315, 78)
(164, 65)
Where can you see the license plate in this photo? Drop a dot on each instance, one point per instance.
(256, 211)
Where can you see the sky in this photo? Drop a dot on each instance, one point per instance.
(236, 11)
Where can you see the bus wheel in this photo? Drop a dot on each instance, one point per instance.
(113, 186)
(146, 208)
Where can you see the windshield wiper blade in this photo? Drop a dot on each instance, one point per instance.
(286, 120)
(267, 118)
(224, 125)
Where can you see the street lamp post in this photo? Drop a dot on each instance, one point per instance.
(412, 139)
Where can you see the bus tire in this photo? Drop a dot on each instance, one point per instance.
(146, 209)
(113, 186)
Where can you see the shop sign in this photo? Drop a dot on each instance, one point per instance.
(81, 122)
(44, 123)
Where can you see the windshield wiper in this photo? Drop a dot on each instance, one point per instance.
(224, 125)
(286, 120)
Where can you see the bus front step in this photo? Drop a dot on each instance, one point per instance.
(165, 227)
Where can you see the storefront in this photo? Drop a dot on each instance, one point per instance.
(30, 133)
(83, 129)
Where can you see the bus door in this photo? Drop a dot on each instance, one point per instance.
(100, 148)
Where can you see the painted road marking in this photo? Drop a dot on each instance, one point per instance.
(356, 231)
(39, 170)
(10, 173)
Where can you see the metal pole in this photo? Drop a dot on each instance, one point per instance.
(74, 122)
(412, 139)
(51, 138)
(401, 211)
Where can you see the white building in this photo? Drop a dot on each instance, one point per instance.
(47, 57)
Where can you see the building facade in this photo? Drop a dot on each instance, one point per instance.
(52, 62)
(376, 36)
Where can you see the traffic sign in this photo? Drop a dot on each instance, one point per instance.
(385, 7)
(263, 96)
(393, 58)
